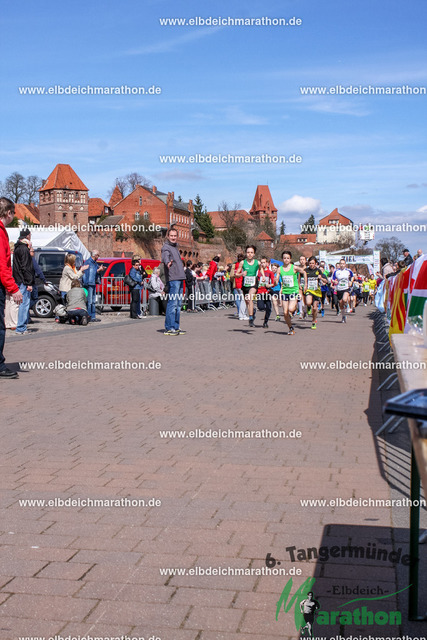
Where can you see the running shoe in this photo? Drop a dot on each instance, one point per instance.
(314, 325)
(265, 325)
(181, 332)
(309, 312)
(251, 322)
(344, 320)
(322, 313)
(171, 332)
(291, 332)
(277, 319)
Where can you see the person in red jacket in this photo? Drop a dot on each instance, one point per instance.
(7, 283)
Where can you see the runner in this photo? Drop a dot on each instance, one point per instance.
(290, 288)
(313, 293)
(344, 279)
(365, 291)
(308, 608)
(324, 288)
(249, 268)
(301, 300)
(266, 282)
(372, 289)
(335, 302)
(275, 290)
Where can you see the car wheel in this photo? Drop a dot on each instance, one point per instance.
(115, 308)
(44, 306)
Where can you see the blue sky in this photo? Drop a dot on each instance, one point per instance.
(226, 90)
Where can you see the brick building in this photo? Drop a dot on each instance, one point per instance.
(335, 228)
(147, 203)
(263, 205)
(64, 200)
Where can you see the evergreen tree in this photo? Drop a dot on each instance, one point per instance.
(202, 218)
(309, 226)
(282, 228)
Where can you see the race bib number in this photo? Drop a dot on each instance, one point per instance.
(343, 284)
(288, 281)
(249, 281)
(313, 283)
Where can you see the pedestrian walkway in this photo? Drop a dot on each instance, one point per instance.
(106, 570)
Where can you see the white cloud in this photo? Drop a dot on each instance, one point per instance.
(300, 205)
(422, 209)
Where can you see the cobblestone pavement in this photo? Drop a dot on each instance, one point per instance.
(222, 502)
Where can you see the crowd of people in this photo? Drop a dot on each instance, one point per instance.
(297, 288)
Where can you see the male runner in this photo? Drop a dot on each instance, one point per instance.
(308, 608)
(266, 282)
(324, 288)
(249, 267)
(301, 300)
(313, 293)
(343, 278)
(290, 288)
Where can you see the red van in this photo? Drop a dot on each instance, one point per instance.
(112, 292)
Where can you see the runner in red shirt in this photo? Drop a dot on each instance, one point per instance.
(266, 282)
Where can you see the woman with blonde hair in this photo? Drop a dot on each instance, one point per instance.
(69, 274)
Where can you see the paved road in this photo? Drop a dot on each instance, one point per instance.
(226, 503)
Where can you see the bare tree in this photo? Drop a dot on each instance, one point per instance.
(134, 179)
(230, 217)
(392, 248)
(32, 186)
(15, 187)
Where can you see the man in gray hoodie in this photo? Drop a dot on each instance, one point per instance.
(175, 276)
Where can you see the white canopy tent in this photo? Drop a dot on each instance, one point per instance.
(54, 238)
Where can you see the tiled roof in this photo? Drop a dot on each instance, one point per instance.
(335, 215)
(116, 196)
(298, 238)
(64, 177)
(262, 198)
(96, 207)
(217, 219)
(110, 221)
(264, 236)
(29, 211)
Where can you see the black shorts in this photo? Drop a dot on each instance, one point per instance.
(341, 293)
(246, 290)
(315, 297)
(309, 617)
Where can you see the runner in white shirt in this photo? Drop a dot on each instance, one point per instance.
(343, 278)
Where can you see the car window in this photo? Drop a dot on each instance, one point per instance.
(51, 264)
(118, 270)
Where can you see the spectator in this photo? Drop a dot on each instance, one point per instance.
(175, 277)
(92, 277)
(189, 285)
(408, 258)
(386, 268)
(7, 283)
(137, 273)
(23, 274)
(69, 274)
(157, 288)
(11, 309)
(38, 274)
(76, 304)
(237, 289)
(420, 252)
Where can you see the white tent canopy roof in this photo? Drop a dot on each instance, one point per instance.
(55, 238)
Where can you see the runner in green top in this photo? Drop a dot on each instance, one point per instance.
(290, 287)
(249, 269)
